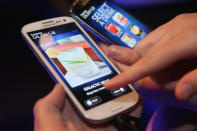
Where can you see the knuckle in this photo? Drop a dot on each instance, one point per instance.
(186, 24)
(181, 16)
(182, 19)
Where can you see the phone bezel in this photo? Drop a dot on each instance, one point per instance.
(100, 113)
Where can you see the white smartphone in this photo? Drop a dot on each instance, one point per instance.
(77, 63)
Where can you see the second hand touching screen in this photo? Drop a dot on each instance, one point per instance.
(79, 64)
(110, 22)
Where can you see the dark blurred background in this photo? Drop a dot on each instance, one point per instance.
(23, 79)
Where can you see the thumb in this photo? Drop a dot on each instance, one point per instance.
(47, 111)
(56, 98)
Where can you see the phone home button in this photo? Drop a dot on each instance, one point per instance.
(116, 108)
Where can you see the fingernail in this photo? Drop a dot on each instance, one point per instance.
(186, 91)
(113, 52)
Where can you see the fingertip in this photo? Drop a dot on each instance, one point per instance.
(183, 92)
(113, 51)
(107, 86)
(113, 83)
(187, 86)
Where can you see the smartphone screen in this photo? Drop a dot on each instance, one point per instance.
(79, 64)
(110, 22)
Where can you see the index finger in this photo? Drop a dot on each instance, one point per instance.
(153, 62)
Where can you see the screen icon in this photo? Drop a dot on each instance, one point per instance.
(118, 91)
(135, 30)
(112, 28)
(93, 101)
(120, 19)
(129, 40)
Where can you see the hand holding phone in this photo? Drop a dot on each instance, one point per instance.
(78, 64)
(54, 111)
